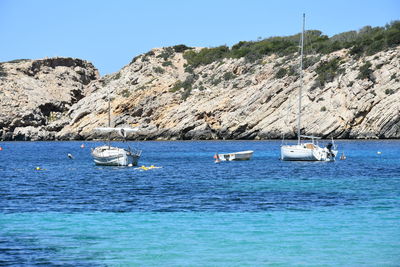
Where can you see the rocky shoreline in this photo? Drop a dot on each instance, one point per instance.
(65, 98)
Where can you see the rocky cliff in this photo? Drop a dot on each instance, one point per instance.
(227, 99)
(36, 95)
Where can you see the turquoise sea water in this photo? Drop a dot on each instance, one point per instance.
(193, 212)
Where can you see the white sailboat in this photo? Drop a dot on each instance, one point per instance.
(108, 155)
(308, 150)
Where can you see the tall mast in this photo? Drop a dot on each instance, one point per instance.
(301, 81)
(109, 116)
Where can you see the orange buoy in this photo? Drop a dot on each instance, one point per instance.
(1, 148)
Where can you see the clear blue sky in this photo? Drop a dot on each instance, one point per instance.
(110, 33)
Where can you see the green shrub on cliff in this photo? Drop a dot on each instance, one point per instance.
(327, 71)
(181, 48)
(229, 76)
(158, 69)
(253, 51)
(166, 63)
(281, 73)
(186, 85)
(367, 41)
(365, 71)
(310, 61)
(177, 86)
(166, 53)
(389, 91)
(206, 55)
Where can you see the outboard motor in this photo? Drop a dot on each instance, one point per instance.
(329, 147)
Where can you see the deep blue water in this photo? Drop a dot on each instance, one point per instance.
(193, 212)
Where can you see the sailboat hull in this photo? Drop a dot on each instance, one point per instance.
(114, 156)
(307, 152)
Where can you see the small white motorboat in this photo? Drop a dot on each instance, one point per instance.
(242, 155)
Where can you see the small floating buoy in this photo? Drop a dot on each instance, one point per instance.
(378, 152)
(70, 156)
(1, 148)
(83, 146)
(38, 169)
(144, 168)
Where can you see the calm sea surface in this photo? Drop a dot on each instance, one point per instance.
(193, 212)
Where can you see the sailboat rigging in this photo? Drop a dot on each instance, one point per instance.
(307, 151)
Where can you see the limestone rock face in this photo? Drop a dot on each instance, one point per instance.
(228, 99)
(35, 95)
